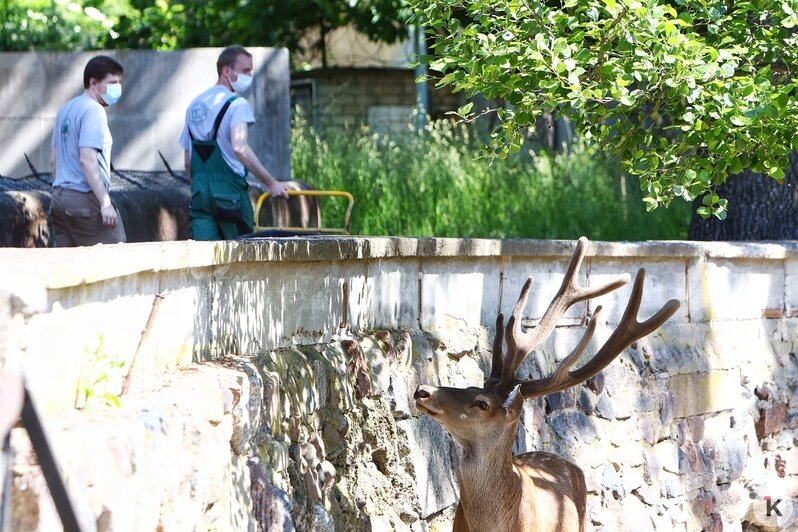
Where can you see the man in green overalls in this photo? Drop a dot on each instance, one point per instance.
(218, 155)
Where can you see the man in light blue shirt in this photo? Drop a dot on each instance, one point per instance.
(81, 210)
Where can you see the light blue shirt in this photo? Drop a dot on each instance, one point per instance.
(80, 123)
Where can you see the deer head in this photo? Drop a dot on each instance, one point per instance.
(487, 417)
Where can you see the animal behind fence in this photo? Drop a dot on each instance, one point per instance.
(153, 205)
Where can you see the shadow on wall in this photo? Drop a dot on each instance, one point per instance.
(35, 113)
(148, 119)
(270, 298)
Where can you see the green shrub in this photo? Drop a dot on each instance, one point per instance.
(441, 183)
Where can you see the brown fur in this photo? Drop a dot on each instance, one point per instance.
(535, 491)
(559, 501)
(24, 221)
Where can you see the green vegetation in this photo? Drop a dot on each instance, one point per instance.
(55, 25)
(681, 93)
(433, 184)
(170, 25)
(100, 375)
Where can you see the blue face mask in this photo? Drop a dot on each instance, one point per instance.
(242, 82)
(113, 91)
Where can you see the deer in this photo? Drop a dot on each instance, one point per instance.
(535, 491)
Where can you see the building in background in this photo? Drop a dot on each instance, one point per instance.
(351, 82)
(357, 82)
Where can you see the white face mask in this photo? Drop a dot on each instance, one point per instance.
(242, 83)
(113, 91)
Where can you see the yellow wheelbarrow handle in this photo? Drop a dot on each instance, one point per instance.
(336, 193)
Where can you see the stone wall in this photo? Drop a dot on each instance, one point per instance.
(273, 386)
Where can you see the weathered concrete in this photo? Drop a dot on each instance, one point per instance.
(158, 87)
(285, 368)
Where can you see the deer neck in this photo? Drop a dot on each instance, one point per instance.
(490, 489)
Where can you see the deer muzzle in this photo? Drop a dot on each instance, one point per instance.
(423, 396)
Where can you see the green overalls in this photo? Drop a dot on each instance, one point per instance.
(220, 207)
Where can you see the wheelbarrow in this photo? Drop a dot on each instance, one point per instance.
(288, 230)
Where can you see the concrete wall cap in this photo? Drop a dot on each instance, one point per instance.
(57, 268)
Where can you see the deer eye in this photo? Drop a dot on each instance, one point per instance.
(482, 405)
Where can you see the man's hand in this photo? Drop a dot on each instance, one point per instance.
(278, 190)
(12, 396)
(91, 169)
(109, 215)
(244, 153)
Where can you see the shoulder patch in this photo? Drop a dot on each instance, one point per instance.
(198, 113)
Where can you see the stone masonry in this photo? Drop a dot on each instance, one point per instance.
(274, 390)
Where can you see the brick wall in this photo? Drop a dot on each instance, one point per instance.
(343, 97)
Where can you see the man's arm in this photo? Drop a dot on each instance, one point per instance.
(187, 164)
(52, 164)
(91, 170)
(244, 153)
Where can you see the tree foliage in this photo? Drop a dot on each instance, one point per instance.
(265, 22)
(168, 25)
(683, 92)
(27, 25)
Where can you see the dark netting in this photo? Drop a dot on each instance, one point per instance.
(153, 204)
(27, 183)
(121, 180)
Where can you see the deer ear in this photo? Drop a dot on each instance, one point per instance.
(513, 403)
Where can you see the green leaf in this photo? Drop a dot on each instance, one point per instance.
(465, 110)
(704, 212)
(727, 70)
(721, 211)
(776, 173)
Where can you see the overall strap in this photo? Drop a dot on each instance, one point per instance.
(219, 117)
(218, 121)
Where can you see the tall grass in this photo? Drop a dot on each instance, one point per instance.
(440, 183)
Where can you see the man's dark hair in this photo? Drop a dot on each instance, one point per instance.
(228, 57)
(98, 67)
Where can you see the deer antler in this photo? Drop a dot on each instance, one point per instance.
(629, 330)
(520, 344)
